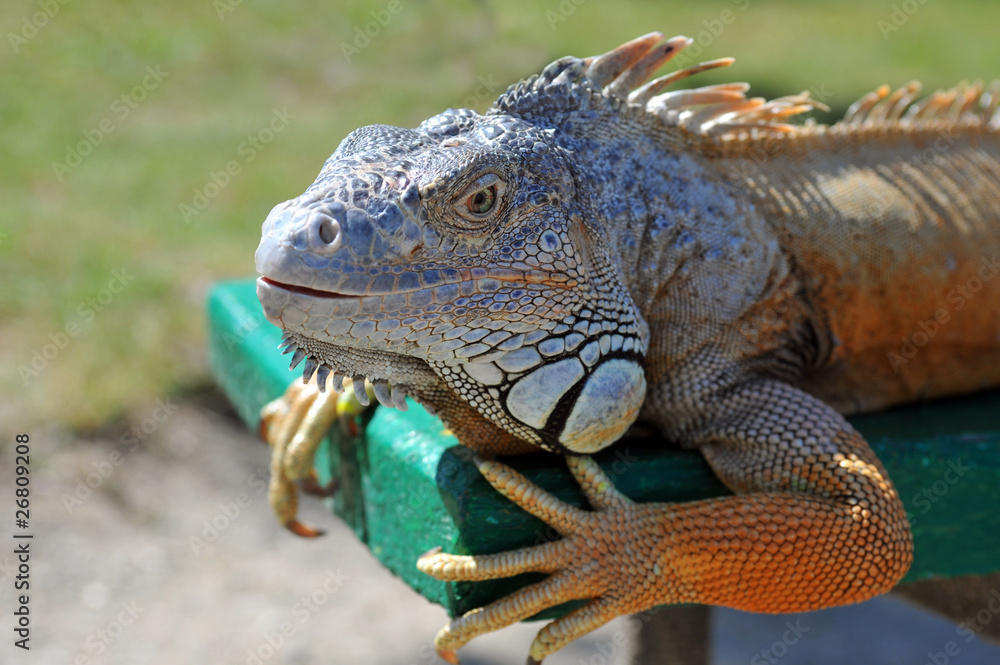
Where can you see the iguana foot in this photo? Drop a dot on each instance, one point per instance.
(294, 425)
(608, 555)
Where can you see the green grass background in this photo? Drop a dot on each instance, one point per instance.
(230, 64)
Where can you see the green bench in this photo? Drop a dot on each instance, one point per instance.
(407, 486)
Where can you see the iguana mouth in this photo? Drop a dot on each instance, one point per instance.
(500, 276)
(305, 290)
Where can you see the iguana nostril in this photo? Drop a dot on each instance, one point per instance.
(328, 231)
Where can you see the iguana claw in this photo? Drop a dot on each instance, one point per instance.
(294, 425)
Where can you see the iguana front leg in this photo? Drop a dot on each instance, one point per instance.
(815, 523)
(294, 425)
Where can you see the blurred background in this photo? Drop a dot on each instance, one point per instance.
(141, 147)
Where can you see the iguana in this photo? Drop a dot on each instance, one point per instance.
(596, 251)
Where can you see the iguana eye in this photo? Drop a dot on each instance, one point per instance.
(482, 201)
(479, 201)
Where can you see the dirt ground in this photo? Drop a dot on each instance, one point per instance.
(158, 546)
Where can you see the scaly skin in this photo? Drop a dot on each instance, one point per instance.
(593, 251)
